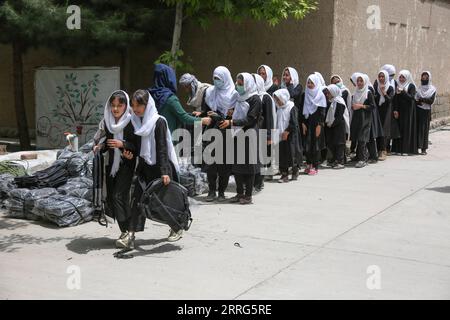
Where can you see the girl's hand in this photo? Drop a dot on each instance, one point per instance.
(304, 129)
(127, 154)
(206, 121)
(165, 180)
(114, 143)
(269, 142)
(196, 113)
(285, 135)
(318, 130)
(357, 106)
(396, 114)
(225, 124)
(96, 148)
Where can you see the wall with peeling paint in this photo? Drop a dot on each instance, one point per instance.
(414, 35)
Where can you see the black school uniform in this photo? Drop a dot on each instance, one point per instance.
(336, 135)
(386, 115)
(118, 187)
(147, 173)
(290, 151)
(313, 145)
(245, 173)
(216, 170)
(360, 128)
(265, 122)
(423, 122)
(405, 104)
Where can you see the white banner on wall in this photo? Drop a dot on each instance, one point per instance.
(71, 100)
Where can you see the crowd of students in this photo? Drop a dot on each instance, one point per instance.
(314, 123)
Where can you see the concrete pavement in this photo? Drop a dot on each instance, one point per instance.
(382, 232)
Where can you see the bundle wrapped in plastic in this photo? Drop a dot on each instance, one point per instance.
(21, 202)
(52, 177)
(65, 211)
(32, 196)
(15, 204)
(6, 184)
(86, 148)
(75, 162)
(192, 178)
(80, 187)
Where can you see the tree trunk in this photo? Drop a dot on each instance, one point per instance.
(177, 31)
(21, 117)
(125, 70)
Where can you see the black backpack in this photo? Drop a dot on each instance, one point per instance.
(166, 204)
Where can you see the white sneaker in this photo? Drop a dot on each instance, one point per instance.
(175, 236)
(120, 244)
(126, 242)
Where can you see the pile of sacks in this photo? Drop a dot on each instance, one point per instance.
(61, 193)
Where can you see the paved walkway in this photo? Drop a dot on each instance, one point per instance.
(382, 232)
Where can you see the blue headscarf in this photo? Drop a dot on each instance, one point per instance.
(165, 84)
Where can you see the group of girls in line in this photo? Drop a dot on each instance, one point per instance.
(316, 122)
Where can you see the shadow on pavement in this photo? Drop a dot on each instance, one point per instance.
(440, 189)
(14, 242)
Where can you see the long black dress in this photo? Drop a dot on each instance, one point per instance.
(245, 172)
(221, 170)
(147, 173)
(336, 134)
(266, 123)
(362, 121)
(385, 110)
(423, 122)
(118, 187)
(312, 145)
(290, 151)
(405, 104)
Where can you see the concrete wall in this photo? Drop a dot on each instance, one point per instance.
(414, 35)
(304, 45)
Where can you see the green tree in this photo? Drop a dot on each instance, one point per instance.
(201, 11)
(111, 25)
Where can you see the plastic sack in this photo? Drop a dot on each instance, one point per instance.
(15, 204)
(80, 187)
(64, 211)
(192, 178)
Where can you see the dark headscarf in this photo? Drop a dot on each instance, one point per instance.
(165, 84)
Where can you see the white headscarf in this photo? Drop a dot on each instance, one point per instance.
(322, 80)
(408, 82)
(426, 92)
(391, 71)
(145, 127)
(241, 107)
(262, 92)
(117, 128)
(283, 112)
(361, 95)
(387, 84)
(314, 98)
(188, 79)
(337, 98)
(222, 99)
(269, 79)
(355, 77)
(343, 88)
(294, 77)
